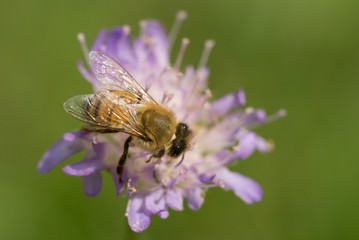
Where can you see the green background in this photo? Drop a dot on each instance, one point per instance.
(301, 55)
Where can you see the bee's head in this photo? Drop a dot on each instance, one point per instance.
(180, 144)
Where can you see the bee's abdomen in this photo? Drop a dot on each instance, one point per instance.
(105, 109)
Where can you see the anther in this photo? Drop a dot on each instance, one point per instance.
(180, 17)
(208, 46)
(131, 189)
(82, 40)
(184, 45)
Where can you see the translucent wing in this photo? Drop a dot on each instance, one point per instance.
(114, 77)
(107, 111)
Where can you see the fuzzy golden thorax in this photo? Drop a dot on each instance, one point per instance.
(159, 124)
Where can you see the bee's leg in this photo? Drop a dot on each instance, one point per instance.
(122, 161)
(159, 154)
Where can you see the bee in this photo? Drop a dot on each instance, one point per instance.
(122, 105)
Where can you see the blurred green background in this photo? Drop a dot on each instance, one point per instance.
(302, 55)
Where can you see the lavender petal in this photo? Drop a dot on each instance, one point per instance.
(84, 168)
(174, 199)
(247, 145)
(245, 188)
(194, 198)
(70, 144)
(99, 43)
(155, 201)
(119, 47)
(223, 105)
(153, 32)
(92, 184)
(138, 218)
(120, 186)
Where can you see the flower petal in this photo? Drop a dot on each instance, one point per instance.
(154, 36)
(223, 105)
(155, 201)
(247, 145)
(163, 214)
(99, 43)
(90, 164)
(92, 184)
(70, 144)
(84, 168)
(120, 186)
(119, 47)
(174, 199)
(245, 188)
(138, 218)
(207, 177)
(194, 198)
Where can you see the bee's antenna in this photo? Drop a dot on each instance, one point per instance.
(180, 17)
(184, 45)
(208, 46)
(180, 161)
(82, 40)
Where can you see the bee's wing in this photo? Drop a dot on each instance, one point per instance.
(114, 77)
(106, 112)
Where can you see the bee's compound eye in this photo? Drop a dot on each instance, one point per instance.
(177, 148)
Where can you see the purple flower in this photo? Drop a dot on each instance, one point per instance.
(223, 131)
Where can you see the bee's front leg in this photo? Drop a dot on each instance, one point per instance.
(122, 161)
(159, 154)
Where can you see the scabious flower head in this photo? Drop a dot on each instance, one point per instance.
(222, 131)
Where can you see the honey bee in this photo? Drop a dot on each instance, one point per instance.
(122, 105)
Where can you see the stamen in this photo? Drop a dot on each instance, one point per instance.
(208, 46)
(221, 184)
(167, 97)
(180, 17)
(281, 113)
(82, 40)
(184, 45)
(131, 189)
(126, 29)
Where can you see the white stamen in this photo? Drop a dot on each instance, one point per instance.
(208, 46)
(82, 40)
(281, 113)
(126, 29)
(184, 45)
(180, 17)
(221, 184)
